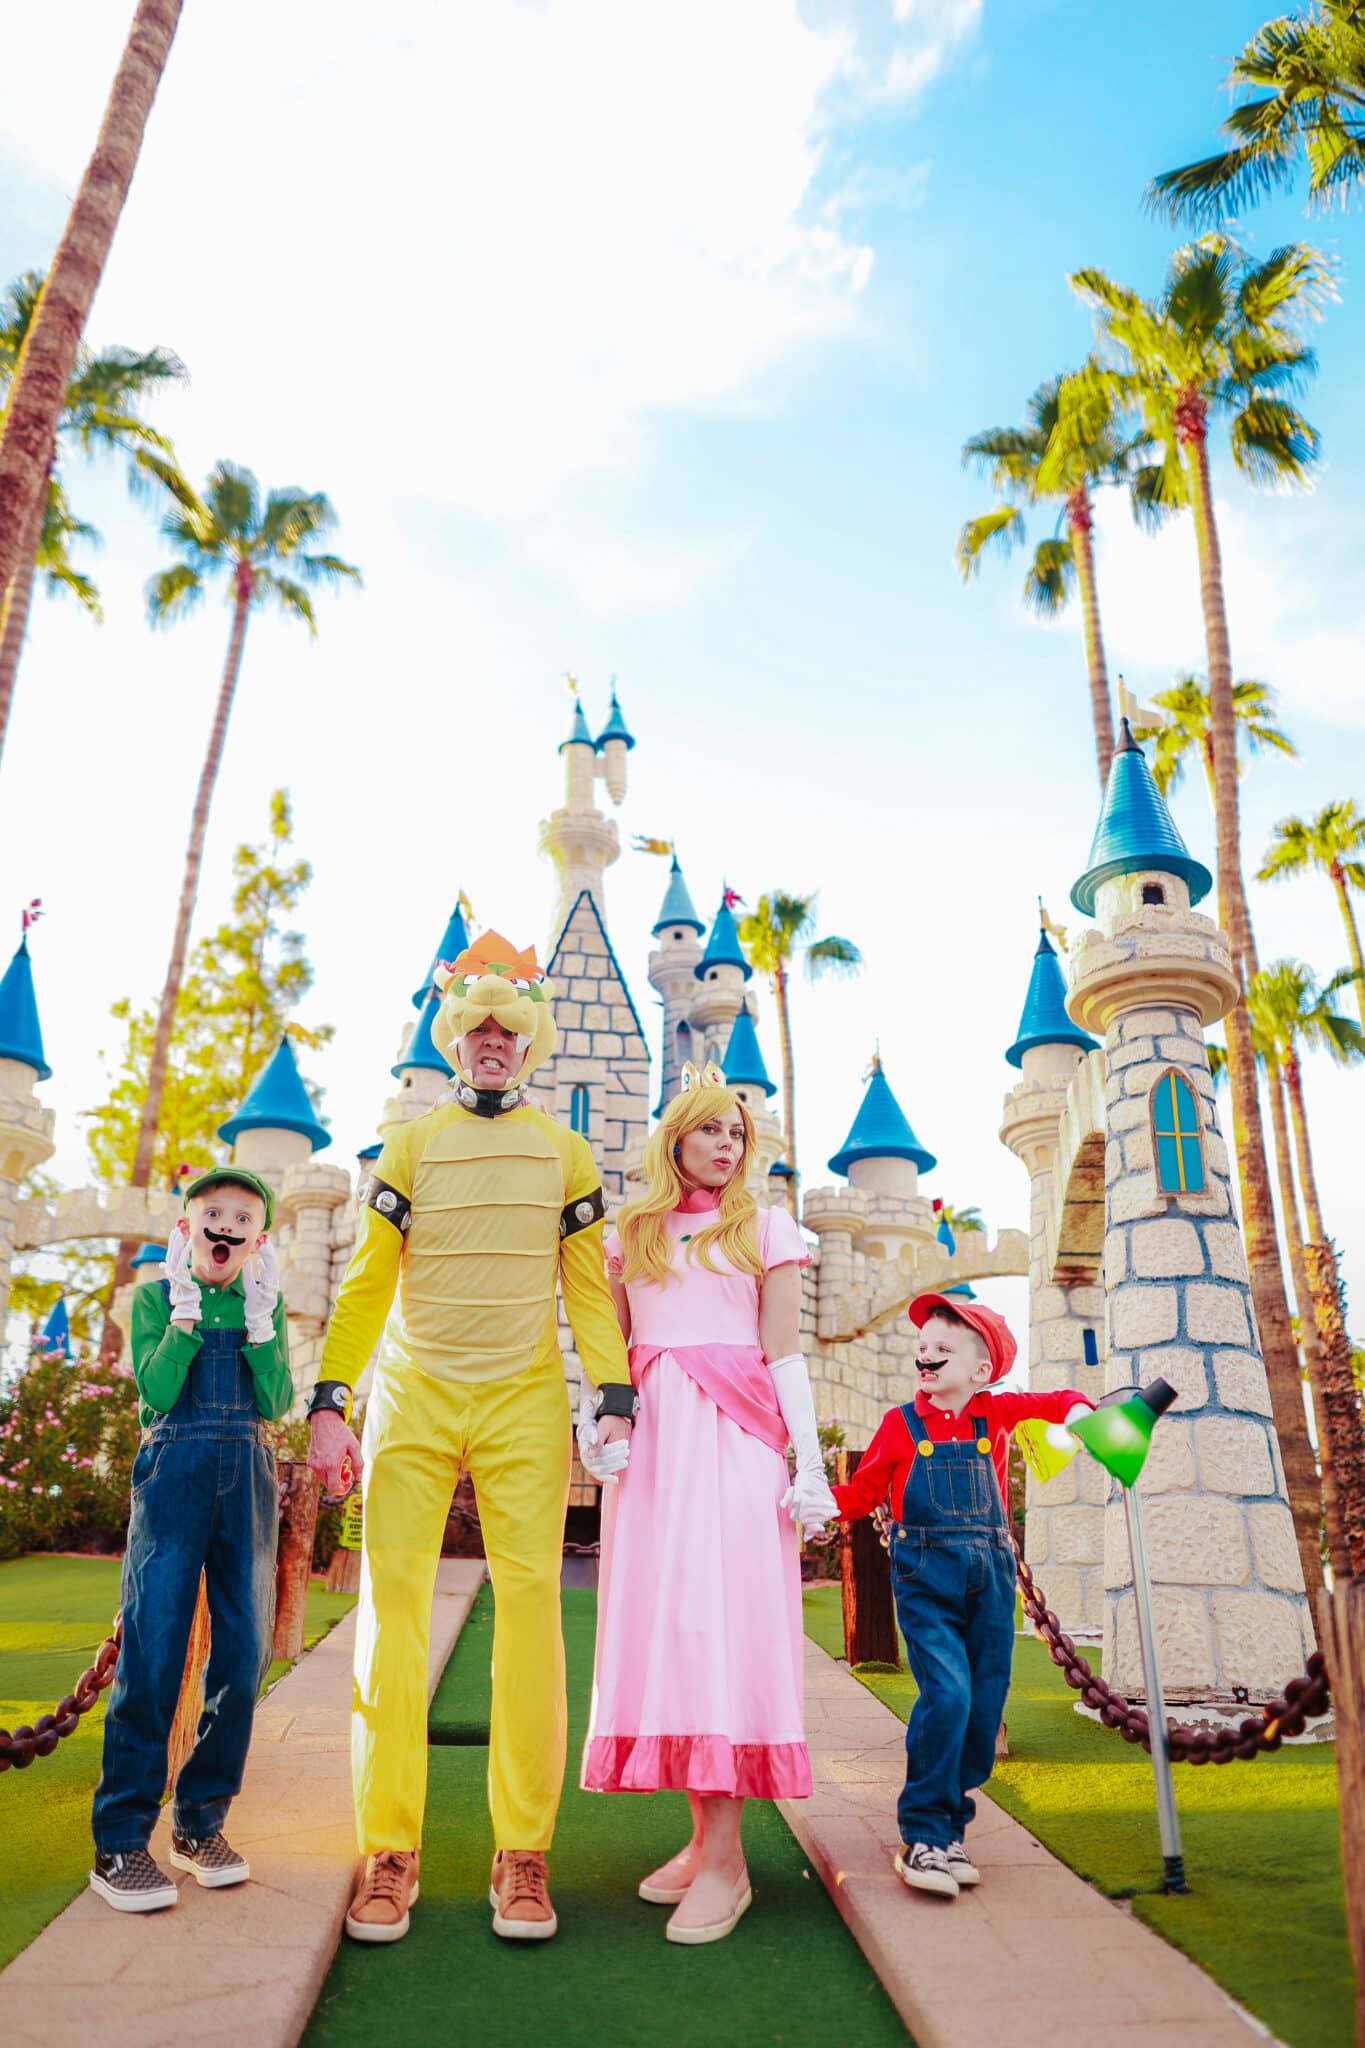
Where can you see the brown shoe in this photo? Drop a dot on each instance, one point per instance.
(520, 1896)
(379, 1910)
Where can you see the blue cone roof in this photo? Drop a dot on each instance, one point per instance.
(1044, 1020)
(880, 1131)
(57, 1330)
(421, 1050)
(579, 736)
(743, 1065)
(368, 1152)
(1136, 831)
(21, 1035)
(723, 948)
(278, 1102)
(615, 727)
(961, 1290)
(150, 1255)
(677, 906)
(454, 940)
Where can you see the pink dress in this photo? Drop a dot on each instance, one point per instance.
(697, 1684)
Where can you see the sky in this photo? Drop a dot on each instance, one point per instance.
(642, 342)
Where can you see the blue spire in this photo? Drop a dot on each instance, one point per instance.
(278, 1102)
(1136, 831)
(880, 1130)
(21, 1035)
(150, 1255)
(962, 1291)
(56, 1335)
(615, 727)
(677, 906)
(1044, 1020)
(421, 1050)
(723, 948)
(454, 940)
(579, 736)
(369, 1153)
(743, 1063)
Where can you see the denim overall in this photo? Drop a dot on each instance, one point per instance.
(952, 1571)
(204, 1497)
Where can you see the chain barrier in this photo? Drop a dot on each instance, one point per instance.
(18, 1750)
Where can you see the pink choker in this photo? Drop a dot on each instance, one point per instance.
(700, 1200)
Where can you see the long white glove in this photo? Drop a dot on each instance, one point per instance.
(261, 1287)
(602, 1462)
(186, 1302)
(808, 1499)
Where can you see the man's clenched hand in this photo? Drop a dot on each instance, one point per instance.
(331, 1446)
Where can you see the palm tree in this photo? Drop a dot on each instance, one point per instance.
(772, 936)
(1223, 339)
(1014, 459)
(1188, 729)
(1306, 75)
(1333, 843)
(34, 411)
(101, 413)
(227, 532)
(961, 1220)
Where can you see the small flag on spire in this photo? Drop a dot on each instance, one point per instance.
(572, 682)
(1055, 931)
(32, 912)
(644, 845)
(732, 898)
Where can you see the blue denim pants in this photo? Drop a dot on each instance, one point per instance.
(952, 1572)
(205, 1498)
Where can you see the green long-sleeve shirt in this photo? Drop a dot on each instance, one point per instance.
(163, 1355)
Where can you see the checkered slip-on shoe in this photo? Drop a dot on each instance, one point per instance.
(132, 1883)
(212, 1862)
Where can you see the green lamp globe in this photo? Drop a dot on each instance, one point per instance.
(1119, 1435)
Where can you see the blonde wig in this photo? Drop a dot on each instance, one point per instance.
(647, 1249)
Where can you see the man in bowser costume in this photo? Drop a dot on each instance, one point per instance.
(473, 1212)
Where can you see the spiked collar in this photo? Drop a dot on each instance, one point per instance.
(489, 1101)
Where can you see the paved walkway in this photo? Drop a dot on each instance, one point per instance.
(986, 1968)
(243, 1965)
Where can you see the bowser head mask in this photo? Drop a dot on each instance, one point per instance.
(492, 979)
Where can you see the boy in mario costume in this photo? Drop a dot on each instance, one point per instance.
(473, 1213)
(943, 1459)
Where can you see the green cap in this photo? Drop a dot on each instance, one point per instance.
(234, 1177)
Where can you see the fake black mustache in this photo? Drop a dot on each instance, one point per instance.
(930, 1364)
(222, 1237)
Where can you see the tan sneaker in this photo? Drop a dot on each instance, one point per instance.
(379, 1910)
(520, 1896)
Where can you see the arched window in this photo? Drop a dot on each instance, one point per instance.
(1175, 1132)
(578, 1110)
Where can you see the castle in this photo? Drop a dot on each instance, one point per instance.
(1133, 1254)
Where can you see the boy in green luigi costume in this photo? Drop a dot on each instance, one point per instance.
(211, 1361)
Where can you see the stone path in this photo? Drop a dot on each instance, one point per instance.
(245, 1964)
(986, 1968)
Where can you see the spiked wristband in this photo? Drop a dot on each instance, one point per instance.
(331, 1397)
(616, 1399)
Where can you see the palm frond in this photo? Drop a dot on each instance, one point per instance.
(1003, 528)
(172, 593)
(1273, 443)
(291, 598)
(1051, 577)
(832, 956)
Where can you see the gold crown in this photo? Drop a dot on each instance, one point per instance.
(709, 1076)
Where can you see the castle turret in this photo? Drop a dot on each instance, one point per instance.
(454, 941)
(1230, 1605)
(25, 1126)
(672, 970)
(746, 1071)
(614, 742)
(718, 996)
(882, 1160)
(421, 1073)
(277, 1124)
(579, 838)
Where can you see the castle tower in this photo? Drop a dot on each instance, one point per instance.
(275, 1134)
(454, 941)
(747, 1073)
(579, 838)
(1230, 1604)
(672, 972)
(882, 1160)
(25, 1126)
(597, 1082)
(718, 993)
(1064, 1530)
(420, 1071)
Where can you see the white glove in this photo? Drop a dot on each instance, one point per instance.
(808, 1499)
(602, 1462)
(261, 1287)
(186, 1303)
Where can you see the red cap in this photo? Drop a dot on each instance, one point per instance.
(987, 1322)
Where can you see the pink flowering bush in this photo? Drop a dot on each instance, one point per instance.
(68, 1436)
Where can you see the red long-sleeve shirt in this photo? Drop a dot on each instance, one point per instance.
(887, 1460)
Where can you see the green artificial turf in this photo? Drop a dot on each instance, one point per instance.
(54, 1614)
(790, 1973)
(1264, 1914)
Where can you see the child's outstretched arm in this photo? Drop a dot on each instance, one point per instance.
(867, 1489)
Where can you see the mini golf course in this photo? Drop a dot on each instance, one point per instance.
(56, 1613)
(1264, 1915)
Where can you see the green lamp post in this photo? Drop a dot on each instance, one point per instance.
(1118, 1434)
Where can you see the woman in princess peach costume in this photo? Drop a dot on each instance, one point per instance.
(698, 1678)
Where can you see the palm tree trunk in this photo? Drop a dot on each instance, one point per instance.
(49, 353)
(1342, 1403)
(784, 1041)
(1352, 934)
(1258, 1219)
(141, 1174)
(1308, 1180)
(1101, 707)
(14, 622)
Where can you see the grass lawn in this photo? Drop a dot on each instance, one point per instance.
(55, 1613)
(1262, 1851)
(791, 1972)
